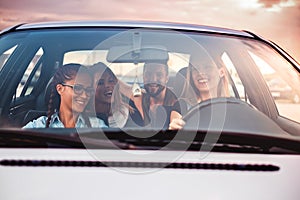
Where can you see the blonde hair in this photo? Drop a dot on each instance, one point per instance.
(190, 92)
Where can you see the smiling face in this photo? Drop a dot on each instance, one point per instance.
(105, 83)
(71, 100)
(205, 79)
(155, 78)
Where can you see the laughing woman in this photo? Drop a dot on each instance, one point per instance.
(109, 105)
(72, 87)
(205, 80)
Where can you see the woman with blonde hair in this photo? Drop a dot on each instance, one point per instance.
(204, 80)
(109, 105)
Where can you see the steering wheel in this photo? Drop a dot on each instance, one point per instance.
(229, 114)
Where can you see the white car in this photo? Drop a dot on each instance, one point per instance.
(243, 146)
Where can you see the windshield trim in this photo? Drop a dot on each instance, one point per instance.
(69, 138)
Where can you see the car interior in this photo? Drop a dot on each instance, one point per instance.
(125, 53)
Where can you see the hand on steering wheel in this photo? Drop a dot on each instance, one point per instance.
(176, 124)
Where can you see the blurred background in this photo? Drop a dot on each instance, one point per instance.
(276, 20)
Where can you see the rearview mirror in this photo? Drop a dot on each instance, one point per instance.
(129, 54)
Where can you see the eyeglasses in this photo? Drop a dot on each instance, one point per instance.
(78, 89)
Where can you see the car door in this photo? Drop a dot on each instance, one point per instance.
(23, 75)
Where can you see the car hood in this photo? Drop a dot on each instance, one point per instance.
(212, 182)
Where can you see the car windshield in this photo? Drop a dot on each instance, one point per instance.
(137, 81)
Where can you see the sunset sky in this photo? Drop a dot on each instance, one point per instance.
(277, 20)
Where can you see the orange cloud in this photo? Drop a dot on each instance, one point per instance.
(270, 3)
(281, 25)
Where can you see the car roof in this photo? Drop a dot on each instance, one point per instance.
(131, 24)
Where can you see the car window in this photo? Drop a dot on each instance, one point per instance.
(31, 75)
(5, 55)
(281, 78)
(127, 72)
(237, 83)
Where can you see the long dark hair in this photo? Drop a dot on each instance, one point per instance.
(64, 73)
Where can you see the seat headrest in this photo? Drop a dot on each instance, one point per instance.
(48, 94)
(180, 80)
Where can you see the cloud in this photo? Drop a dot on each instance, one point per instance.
(258, 16)
(278, 3)
(287, 30)
(270, 3)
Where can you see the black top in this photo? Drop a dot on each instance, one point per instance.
(104, 117)
(158, 119)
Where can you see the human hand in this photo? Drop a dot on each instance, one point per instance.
(176, 124)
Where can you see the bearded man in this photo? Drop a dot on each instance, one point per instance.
(155, 105)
